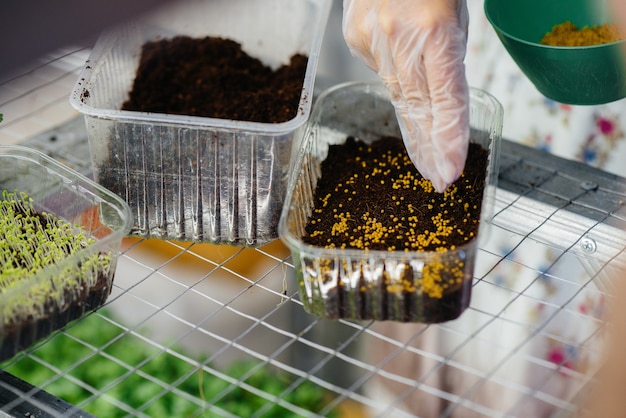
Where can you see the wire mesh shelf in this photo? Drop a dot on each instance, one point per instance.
(207, 330)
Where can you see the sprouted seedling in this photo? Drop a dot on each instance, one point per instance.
(30, 242)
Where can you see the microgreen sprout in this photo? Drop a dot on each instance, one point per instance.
(31, 242)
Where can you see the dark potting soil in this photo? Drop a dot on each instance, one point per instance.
(214, 77)
(19, 336)
(371, 197)
(387, 205)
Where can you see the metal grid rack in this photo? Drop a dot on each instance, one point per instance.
(207, 306)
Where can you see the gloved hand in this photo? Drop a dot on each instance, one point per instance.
(417, 47)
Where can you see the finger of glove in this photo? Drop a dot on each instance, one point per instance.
(434, 87)
(413, 106)
(390, 28)
(415, 134)
(449, 98)
(415, 128)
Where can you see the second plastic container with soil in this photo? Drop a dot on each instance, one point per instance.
(187, 176)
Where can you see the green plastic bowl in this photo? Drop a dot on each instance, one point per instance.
(585, 75)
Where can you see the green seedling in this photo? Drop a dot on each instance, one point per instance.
(34, 246)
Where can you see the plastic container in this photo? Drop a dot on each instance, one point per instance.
(584, 75)
(351, 283)
(61, 292)
(193, 178)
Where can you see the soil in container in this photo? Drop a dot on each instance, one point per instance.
(371, 197)
(213, 77)
(204, 77)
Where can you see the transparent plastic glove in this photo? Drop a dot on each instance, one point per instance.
(417, 47)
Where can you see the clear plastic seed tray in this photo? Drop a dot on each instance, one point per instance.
(367, 284)
(193, 178)
(62, 291)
